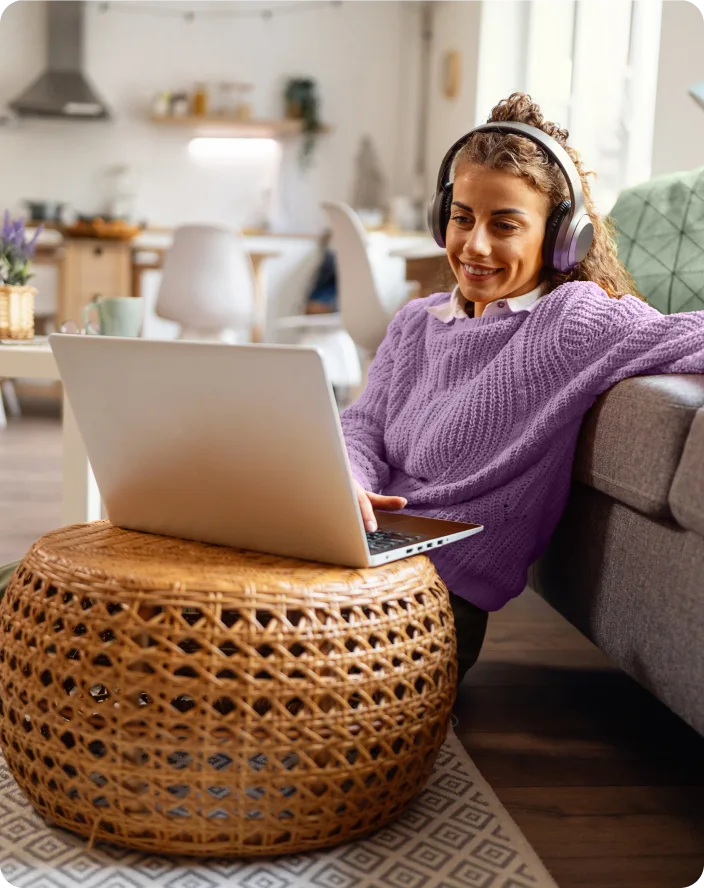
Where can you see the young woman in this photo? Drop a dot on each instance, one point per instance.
(475, 398)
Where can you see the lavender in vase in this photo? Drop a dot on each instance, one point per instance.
(16, 252)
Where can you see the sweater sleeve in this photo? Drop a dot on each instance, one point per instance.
(606, 340)
(363, 422)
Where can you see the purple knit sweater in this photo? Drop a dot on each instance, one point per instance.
(478, 419)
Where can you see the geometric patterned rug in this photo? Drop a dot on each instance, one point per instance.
(456, 834)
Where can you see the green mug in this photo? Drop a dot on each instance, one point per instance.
(117, 315)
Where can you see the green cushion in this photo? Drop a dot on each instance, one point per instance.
(6, 571)
(660, 235)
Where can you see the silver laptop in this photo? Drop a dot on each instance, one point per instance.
(238, 445)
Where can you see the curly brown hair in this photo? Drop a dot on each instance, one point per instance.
(522, 157)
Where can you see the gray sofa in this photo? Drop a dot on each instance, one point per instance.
(626, 563)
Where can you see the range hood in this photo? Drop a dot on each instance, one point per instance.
(62, 90)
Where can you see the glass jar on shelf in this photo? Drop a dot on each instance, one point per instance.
(243, 110)
(161, 104)
(227, 99)
(200, 100)
(179, 105)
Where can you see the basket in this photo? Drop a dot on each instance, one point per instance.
(17, 312)
(177, 697)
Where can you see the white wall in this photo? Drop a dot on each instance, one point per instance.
(503, 53)
(360, 53)
(678, 142)
(456, 26)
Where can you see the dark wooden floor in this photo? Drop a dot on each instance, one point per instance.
(605, 782)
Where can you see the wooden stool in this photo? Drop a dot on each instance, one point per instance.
(178, 697)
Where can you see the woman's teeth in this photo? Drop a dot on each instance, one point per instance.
(470, 269)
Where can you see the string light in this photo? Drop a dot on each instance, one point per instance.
(267, 14)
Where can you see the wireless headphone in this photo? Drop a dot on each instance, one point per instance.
(569, 231)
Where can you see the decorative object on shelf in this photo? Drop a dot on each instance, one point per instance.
(200, 100)
(230, 102)
(44, 210)
(227, 99)
(16, 298)
(451, 74)
(243, 110)
(161, 105)
(302, 103)
(179, 104)
(370, 185)
(115, 229)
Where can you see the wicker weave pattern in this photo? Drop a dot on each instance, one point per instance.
(184, 698)
(17, 312)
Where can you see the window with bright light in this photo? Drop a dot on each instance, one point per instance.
(592, 66)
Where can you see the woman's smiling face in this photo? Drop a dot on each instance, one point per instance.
(494, 238)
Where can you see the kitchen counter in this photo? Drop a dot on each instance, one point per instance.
(72, 271)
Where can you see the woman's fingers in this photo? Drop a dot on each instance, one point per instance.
(367, 510)
(387, 503)
(369, 501)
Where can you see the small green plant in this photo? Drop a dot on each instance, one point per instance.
(16, 252)
(302, 103)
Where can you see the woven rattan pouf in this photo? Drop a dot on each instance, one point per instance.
(183, 698)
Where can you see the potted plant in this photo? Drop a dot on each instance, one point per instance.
(302, 103)
(16, 298)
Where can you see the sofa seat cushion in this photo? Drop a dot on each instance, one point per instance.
(687, 492)
(633, 437)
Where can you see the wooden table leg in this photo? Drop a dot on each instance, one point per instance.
(260, 306)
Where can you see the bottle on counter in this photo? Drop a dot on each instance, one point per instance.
(124, 197)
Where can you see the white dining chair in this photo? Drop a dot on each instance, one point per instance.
(365, 308)
(326, 333)
(350, 337)
(207, 284)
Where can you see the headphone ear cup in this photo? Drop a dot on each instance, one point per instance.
(552, 231)
(446, 209)
(439, 214)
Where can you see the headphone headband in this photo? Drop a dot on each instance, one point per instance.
(569, 232)
(551, 146)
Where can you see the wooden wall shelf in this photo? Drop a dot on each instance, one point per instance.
(230, 126)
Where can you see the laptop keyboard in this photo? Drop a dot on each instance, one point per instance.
(382, 540)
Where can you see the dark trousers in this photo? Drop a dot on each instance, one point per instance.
(6, 571)
(470, 626)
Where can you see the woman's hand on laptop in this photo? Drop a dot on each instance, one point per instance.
(369, 501)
